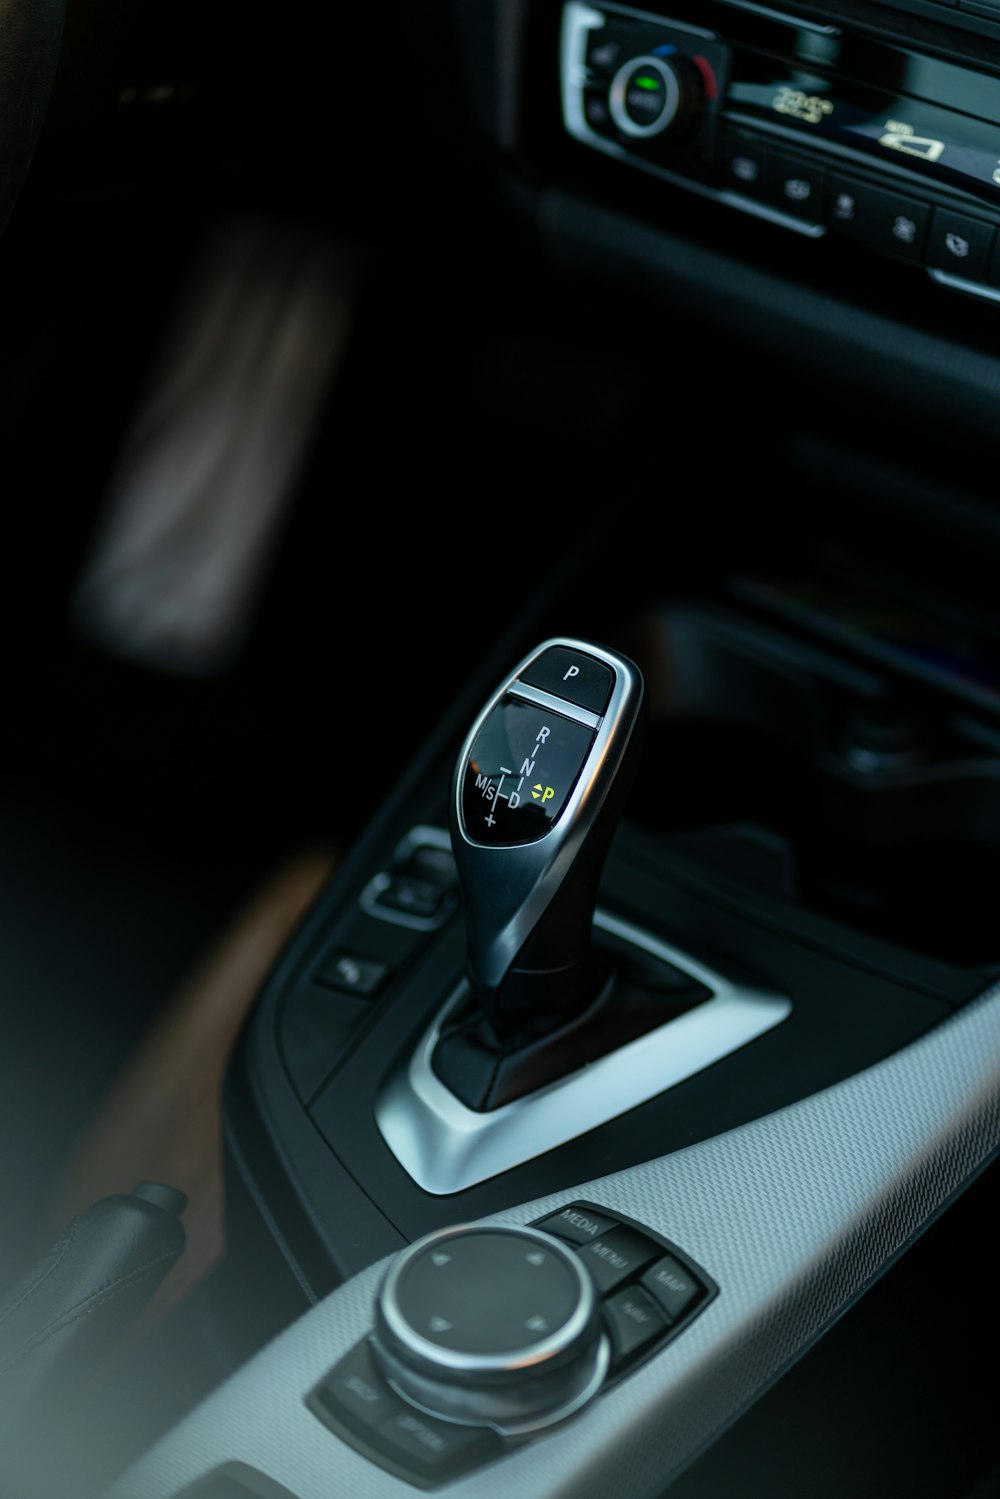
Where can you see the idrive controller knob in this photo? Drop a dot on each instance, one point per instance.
(539, 786)
(491, 1326)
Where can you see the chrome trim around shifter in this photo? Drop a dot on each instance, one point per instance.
(446, 1146)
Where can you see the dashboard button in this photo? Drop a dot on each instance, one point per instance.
(843, 202)
(758, 171)
(885, 220)
(747, 165)
(596, 111)
(796, 187)
(605, 50)
(959, 244)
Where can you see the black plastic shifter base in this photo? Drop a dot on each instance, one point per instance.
(486, 1070)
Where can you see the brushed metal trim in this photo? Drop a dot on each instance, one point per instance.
(447, 1147)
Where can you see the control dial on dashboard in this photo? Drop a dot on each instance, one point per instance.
(492, 1326)
(651, 96)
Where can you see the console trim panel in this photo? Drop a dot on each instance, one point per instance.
(447, 1147)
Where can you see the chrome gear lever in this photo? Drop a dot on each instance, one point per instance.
(538, 790)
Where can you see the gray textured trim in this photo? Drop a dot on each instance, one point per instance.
(794, 1215)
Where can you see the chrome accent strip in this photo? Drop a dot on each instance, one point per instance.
(958, 283)
(806, 227)
(645, 15)
(555, 704)
(446, 1147)
(818, 28)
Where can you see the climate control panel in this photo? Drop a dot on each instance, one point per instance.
(809, 126)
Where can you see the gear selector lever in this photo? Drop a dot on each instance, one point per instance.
(539, 787)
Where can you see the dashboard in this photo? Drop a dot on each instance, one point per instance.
(623, 1114)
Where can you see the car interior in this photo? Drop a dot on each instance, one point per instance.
(502, 727)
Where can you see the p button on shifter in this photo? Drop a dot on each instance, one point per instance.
(570, 674)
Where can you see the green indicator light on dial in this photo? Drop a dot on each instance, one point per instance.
(645, 80)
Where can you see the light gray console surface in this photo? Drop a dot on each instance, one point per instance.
(794, 1215)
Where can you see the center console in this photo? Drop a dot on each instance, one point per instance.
(654, 1015)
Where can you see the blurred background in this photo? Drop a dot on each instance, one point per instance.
(273, 406)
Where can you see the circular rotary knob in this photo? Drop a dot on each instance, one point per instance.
(650, 96)
(491, 1326)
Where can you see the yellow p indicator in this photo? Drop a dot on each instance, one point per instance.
(542, 793)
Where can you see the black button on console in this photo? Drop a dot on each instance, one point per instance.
(795, 188)
(357, 1391)
(615, 1256)
(432, 1447)
(606, 50)
(633, 1320)
(748, 166)
(842, 211)
(415, 896)
(596, 111)
(578, 1225)
(755, 170)
(885, 220)
(673, 1287)
(353, 975)
(572, 675)
(960, 244)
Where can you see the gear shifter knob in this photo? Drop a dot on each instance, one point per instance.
(539, 787)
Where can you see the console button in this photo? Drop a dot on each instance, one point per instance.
(633, 1320)
(605, 50)
(843, 202)
(747, 165)
(414, 896)
(596, 111)
(356, 1390)
(960, 244)
(757, 171)
(432, 1447)
(673, 1287)
(353, 975)
(573, 675)
(579, 1225)
(616, 1256)
(796, 187)
(885, 220)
